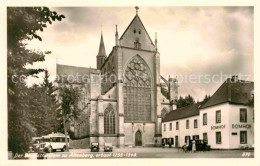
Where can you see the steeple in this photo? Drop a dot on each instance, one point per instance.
(116, 37)
(156, 41)
(101, 57)
(102, 51)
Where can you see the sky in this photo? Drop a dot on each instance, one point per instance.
(196, 44)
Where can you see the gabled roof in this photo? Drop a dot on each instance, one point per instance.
(73, 74)
(102, 50)
(237, 92)
(128, 37)
(183, 112)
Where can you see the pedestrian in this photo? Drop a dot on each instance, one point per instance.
(185, 148)
(193, 146)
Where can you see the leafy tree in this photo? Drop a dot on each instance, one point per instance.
(69, 109)
(186, 101)
(23, 23)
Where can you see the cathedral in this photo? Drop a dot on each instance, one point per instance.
(125, 97)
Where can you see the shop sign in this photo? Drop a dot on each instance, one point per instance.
(218, 127)
(241, 126)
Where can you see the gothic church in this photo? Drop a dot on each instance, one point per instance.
(126, 97)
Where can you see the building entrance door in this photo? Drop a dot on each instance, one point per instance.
(176, 142)
(138, 138)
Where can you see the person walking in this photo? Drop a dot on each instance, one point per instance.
(193, 146)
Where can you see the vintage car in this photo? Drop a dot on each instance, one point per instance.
(94, 147)
(35, 144)
(201, 145)
(108, 147)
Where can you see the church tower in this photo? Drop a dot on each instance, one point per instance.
(101, 57)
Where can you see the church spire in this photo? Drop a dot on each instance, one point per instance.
(102, 51)
(116, 36)
(101, 57)
(156, 41)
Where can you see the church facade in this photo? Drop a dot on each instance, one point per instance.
(125, 97)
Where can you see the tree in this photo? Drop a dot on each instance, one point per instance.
(23, 23)
(69, 109)
(43, 106)
(183, 102)
(206, 98)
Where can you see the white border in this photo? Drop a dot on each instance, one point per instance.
(184, 161)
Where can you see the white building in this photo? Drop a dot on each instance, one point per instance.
(182, 124)
(226, 120)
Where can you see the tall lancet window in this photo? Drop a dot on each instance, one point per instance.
(109, 121)
(137, 91)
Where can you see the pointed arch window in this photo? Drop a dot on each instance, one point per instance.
(109, 121)
(137, 91)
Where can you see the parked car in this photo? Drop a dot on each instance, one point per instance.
(108, 147)
(201, 145)
(94, 147)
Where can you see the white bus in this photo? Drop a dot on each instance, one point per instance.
(53, 142)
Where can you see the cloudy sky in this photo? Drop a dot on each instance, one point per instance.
(195, 41)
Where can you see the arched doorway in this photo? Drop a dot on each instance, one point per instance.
(138, 138)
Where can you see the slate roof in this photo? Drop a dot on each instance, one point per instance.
(73, 74)
(236, 92)
(183, 112)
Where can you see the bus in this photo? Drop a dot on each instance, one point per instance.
(53, 142)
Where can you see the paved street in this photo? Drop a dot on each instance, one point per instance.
(145, 153)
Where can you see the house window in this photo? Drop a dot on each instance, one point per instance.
(218, 116)
(187, 124)
(187, 139)
(218, 137)
(205, 136)
(170, 126)
(243, 137)
(195, 123)
(194, 137)
(205, 119)
(243, 115)
(177, 125)
(109, 121)
(164, 127)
